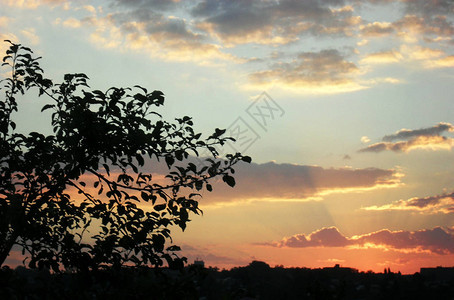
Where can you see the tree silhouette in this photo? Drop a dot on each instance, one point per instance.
(55, 217)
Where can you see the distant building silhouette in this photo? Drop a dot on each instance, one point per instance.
(337, 269)
(438, 273)
(199, 262)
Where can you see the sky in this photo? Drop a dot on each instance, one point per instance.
(345, 106)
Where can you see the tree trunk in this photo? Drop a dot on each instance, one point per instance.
(6, 247)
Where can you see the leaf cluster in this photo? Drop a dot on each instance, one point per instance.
(124, 214)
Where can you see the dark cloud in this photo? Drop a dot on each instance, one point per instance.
(160, 5)
(377, 29)
(426, 138)
(155, 25)
(208, 256)
(204, 30)
(430, 131)
(429, 201)
(428, 19)
(287, 181)
(326, 237)
(279, 22)
(439, 25)
(436, 240)
(162, 35)
(285, 21)
(275, 182)
(429, 8)
(434, 204)
(326, 67)
(422, 142)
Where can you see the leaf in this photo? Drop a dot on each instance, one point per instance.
(106, 167)
(6, 57)
(140, 160)
(144, 196)
(179, 154)
(229, 180)
(209, 187)
(173, 248)
(198, 185)
(247, 159)
(160, 207)
(169, 161)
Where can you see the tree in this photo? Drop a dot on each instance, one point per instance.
(109, 136)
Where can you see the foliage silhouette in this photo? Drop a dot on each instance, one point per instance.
(108, 136)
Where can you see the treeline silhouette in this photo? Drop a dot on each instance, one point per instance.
(256, 281)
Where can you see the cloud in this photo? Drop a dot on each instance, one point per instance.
(377, 29)
(428, 205)
(429, 8)
(72, 23)
(430, 57)
(382, 57)
(427, 143)
(273, 22)
(421, 53)
(365, 139)
(161, 36)
(212, 32)
(159, 27)
(273, 182)
(209, 256)
(326, 237)
(424, 138)
(437, 240)
(446, 62)
(31, 4)
(149, 27)
(30, 35)
(282, 182)
(4, 21)
(430, 131)
(159, 5)
(439, 25)
(420, 20)
(323, 70)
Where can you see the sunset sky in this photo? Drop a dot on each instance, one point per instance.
(346, 108)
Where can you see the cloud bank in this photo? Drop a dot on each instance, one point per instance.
(217, 33)
(429, 205)
(437, 240)
(326, 70)
(425, 138)
(275, 182)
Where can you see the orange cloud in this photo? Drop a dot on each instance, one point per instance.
(445, 62)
